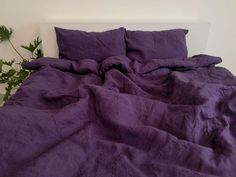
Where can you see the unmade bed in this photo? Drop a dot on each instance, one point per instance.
(121, 103)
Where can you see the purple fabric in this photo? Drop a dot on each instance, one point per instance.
(121, 118)
(145, 45)
(76, 44)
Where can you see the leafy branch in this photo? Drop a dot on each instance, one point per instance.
(5, 35)
(32, 48)
(11, 73)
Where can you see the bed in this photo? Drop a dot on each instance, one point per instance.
(120, 107)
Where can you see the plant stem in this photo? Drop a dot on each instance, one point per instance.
(15, 49)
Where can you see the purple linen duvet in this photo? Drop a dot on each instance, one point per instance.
(121, 118)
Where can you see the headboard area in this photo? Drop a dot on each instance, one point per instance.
(196, 38)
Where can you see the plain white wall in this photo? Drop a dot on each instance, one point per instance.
(24, 16)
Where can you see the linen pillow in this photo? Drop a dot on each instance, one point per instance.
(145, 45)
(76, 44)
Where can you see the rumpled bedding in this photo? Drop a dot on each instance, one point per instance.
(121, 118)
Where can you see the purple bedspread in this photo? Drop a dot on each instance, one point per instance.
(165, 118)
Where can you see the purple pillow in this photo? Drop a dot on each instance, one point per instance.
(76, 44)
(145, 45)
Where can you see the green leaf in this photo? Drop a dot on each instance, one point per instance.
(11, 72)
(1, 64)
(13, 81)
(39, 53)
(5, 33)
(22, 75)
(8, 92)
(9, 63)
(32, 46)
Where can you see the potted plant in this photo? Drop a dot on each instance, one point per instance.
(11, 72)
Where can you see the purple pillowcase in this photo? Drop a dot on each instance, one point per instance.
(145, 45)
(76, 44)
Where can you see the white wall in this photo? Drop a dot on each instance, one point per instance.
(24, 17)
